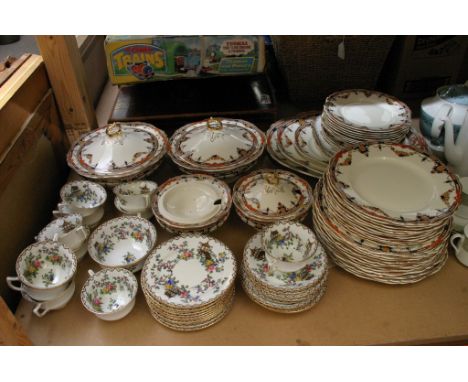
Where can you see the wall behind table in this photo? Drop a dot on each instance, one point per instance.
(25, 208)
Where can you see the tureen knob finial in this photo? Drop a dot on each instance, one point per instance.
(214, 124)
(113, 129)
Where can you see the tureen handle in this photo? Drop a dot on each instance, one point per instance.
(214, 123)
(113, 129)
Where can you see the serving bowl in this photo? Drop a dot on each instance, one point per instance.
(122, 242)
(110, 293)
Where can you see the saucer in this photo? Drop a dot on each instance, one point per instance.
(145, 214)
(93, 219)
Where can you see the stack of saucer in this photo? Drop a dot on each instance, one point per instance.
(69, 230)
(354, 116)
(134, 198)
(284, 268)
(222, 147)
(84, 198)
(192, 203)
(188, 282)
(45, 273)
(384, 212)
(264, 197)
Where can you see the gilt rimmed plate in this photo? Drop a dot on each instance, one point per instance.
(396, 182)
(370, 110)
(191, 201)
(117, 150)
(272, 194)
(189, 270)
(306, 143)
(216, 145)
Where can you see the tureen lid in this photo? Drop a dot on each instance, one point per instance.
(217, 144)
(119, 149)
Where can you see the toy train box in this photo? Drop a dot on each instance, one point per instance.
(133, 59)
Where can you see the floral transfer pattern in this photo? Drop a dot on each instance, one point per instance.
(82, 194)
(217, 262)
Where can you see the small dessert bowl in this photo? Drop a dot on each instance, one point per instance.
(110, 293)
(288, 245)
(135, 196)
(82, 197)
(123, 242)
(45, 270)
(69, 230)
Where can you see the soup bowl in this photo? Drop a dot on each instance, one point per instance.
(82, 197)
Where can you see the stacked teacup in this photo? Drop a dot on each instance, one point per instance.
(134, 198)
(84, 198)
(45, 273)
(285, 268)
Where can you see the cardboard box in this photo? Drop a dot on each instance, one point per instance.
(133, 59)
(418, 65)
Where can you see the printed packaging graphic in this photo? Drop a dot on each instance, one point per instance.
(133, 59)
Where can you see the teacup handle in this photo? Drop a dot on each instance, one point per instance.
(39, 311)
(147, 198)
(63, 209)
(453, 240)
(83, 231)
(439, 120)
(10, 280)
(90, 272)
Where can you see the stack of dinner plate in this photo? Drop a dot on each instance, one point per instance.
(355, 116)
(384, 212)
(118, 153)
(188, 282)
(280, 272)
(192, 203)
(266, 196)
(221, 147)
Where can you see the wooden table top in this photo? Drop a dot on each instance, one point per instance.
(352, 311)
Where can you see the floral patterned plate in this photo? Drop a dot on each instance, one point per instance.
(272, 194)
(255, 262)
(396, 182)
(117, 150)
(122, 242)
(46, 265)
(217, 145)
(189, 270)
(109, 292)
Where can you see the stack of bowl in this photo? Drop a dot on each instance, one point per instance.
(192, 203)
(118, 153)
(384, 212)
(284, 268)
(123, 242)
(266, 196)
(188, 282)
(45, 273)
(222, 147)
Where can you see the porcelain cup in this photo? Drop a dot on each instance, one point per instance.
(41, 308)
(461, 249)
(81, 197)
(74, 238)
(69, 230)
(110, 293)
(288, 245)
(44, 270)
(135, 196)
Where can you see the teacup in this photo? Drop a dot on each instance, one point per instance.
(288, 245)
(82, 197)
(44, 270)
(461, 250)
(110, 293)
(123, 242)
(69, 230)
(135, 196)
(41, 308)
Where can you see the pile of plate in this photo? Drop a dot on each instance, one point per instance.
(118, 153)
(266, 196)
(285, 284)
(188, 282)
(354, 116)
(192, 203)
(384, 212)
(221, 147)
